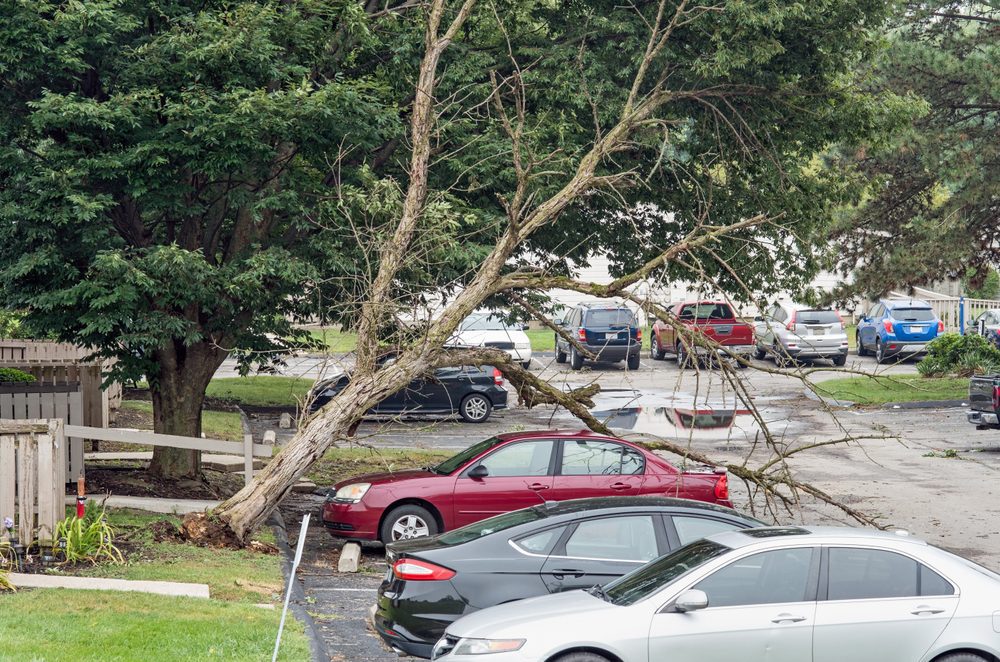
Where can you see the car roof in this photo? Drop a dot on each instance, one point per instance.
(602, 303)
(905, 303)
(567, 434)
(814, 534)
(793, 305)
(689, 302)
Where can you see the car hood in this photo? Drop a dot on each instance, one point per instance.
(388, 477)
(516, 617)
(478, 338)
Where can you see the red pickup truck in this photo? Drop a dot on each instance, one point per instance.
(714, 319)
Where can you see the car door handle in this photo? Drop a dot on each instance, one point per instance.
(787, 618)
(562, 572)
(926, 609)
(538, 486)
(618, 487)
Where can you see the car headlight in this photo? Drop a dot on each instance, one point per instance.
(487, 646)
(352, 493)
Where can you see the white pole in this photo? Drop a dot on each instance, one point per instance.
(291, 580)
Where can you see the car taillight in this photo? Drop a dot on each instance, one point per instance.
(583, 335)
(497, 377)
(414, 570)
(887, 324)
(638, 334)
(840, 317)
(722, 488)
(791, 322)
(940, 326)
(996, 398)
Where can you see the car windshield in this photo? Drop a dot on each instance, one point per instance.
(609, 318)
(653, 576)
(456, 461)
(486, 323)
(706, 311)
(913, 314)
(817, 317)
(491, 525)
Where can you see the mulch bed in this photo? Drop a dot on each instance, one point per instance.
(134, 480)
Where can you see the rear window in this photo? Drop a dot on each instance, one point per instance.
(913, 314)
(817, 317)
(706, 311)
(613, 317)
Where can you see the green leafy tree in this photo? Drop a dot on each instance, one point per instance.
(931, 208)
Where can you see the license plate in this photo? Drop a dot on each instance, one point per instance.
(912, 348)
(611, 336)
(819, 332)
(916, 329)
(724, 330)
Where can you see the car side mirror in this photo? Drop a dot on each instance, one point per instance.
(691, 600)
(864, 318)
(478, 472)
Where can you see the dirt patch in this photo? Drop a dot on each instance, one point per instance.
(134, 480)
(165, 531)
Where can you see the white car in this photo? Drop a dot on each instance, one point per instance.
(489, 330)
(784, 594)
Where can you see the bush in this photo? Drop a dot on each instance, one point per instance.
(89, 538)
(962, 356)
(15, 375)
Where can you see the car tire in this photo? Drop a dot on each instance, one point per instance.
(759, 352)
(407, 522)
(526, 364)
(475, 408)
(781, 358)
(861, 346)
(560, 355)
(581, 656)
(879, 352)
(656, 352)
(840, 361)
(575, 359)
(683, 357)
(961, 657)
(633, 361)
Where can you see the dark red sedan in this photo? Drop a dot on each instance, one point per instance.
(505, 473)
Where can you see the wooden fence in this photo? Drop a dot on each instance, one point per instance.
(45, 401)
(247, 448)
(41, 350)
(32, 464)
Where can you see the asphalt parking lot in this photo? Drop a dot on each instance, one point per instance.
(929, 472)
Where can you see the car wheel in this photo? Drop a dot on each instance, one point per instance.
(581, 656)
(475, 408)
(840, 361)
(560, 355)
(683, 358)
(861, 346)
(656, 351)
(957, 657)
(633, 361)
(780, 356)
(879, 351)
(575, 359)
(759, 352)
(407, 522)
(526, 364)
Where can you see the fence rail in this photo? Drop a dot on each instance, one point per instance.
(32, 466)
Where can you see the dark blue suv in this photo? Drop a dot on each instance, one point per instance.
(898, 328)
(608, 329)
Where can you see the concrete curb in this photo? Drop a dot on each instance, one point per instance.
(176, 589)
(926, 404)
(316, 644)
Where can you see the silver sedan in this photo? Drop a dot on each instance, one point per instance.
(780, 594)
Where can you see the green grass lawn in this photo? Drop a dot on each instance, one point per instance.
(215, 424)
(262, 391)
(340, 463)
(232, 575)
(904, 388)
(59, 625)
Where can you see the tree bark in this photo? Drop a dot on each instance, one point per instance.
(178, 393)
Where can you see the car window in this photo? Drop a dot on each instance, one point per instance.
(455, 461)
(817, 317)
(913, 314)
(706, 311)
(525, 458)
(486, 323)
(870, 574)
(630, 538)
(650, 578)
(776, 576)
(613, 317)
(691, 528)
(779, 314)
(596, 458)
(541, 542)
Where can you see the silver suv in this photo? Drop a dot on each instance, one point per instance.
(789, 331)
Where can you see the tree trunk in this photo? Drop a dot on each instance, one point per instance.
(178, 393)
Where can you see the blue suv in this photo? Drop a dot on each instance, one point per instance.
(608, 329)
(898, 328)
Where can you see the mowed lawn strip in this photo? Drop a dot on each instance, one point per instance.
(903, 388)
(340, 463)
(59, 625)
(232, 575)
(261, 391)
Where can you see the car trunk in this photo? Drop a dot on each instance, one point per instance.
(613, 326)
(821, 329)
(983, 393)
(914, 324)
(725, 331)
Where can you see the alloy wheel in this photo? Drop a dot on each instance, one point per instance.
(409, 527)
(476, 408)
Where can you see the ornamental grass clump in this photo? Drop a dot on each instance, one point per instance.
(89, 538)
(961, 356)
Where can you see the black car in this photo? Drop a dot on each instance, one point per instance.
(473, 392)
(609, 330)
(548, 548)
